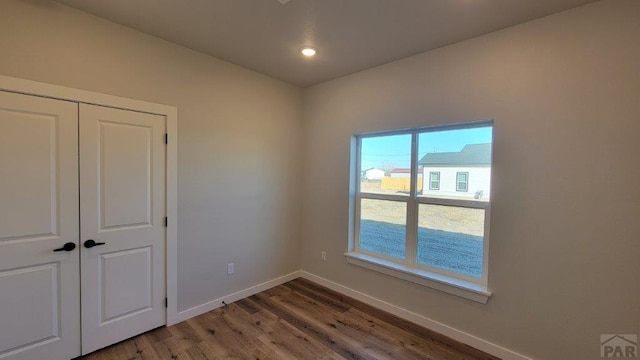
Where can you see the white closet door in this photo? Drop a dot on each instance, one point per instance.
(39, 288)
(122, 204)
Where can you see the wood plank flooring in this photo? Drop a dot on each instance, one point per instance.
(298, 320)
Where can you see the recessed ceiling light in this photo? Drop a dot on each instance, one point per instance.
(308, 51)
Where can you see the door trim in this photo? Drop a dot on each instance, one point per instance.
(30, 87)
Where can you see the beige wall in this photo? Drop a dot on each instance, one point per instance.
(563, 91)
(238, 137)
(565, 248)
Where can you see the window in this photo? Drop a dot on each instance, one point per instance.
(433, 236)
(434, 180)
(462, 181)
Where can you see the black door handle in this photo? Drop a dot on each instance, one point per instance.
(67, 247)
(91, 243)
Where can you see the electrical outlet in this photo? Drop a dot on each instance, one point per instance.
(324, 256)
(230, 269)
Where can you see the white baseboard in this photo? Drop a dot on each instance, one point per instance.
(238, 295)
(430, 324)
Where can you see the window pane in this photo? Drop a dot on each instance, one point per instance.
(463, 159)
(385, 164)
(463, 180)
(451, 238)
(434, 183)
(383, 227)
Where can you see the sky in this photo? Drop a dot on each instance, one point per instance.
(388, 152)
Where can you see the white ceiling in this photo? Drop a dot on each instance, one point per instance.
(351, 35)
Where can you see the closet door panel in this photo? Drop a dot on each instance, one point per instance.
(122, 178)
(126, 179)
(39, 287)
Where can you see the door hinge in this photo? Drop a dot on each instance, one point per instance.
(166, 139)
(166, 302)
(166, 221)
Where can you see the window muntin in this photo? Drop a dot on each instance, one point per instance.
(437, 155)
(434, 180)
(462, 181)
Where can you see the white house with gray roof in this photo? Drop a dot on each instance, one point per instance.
(463, 174)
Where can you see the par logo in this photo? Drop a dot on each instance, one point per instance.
(619, 346)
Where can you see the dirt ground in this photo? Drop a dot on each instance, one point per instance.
(447, 218)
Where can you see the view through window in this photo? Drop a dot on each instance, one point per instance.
(438, 226)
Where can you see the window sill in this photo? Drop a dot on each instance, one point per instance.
(465, 289)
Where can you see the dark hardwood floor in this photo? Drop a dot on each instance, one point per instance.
(297, 320)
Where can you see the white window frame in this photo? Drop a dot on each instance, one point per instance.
(466, 182)
(408, 269)
(435, 173)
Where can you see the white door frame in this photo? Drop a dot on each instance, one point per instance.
(30, 87)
